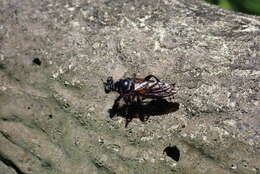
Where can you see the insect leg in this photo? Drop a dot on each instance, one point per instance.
(115, 106)
(151, 76)
(140, 108)
(128, 120)
(139, 99)
(128, 100)
(117, 100)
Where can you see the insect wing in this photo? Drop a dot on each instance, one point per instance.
(159, 90)
(141, 86)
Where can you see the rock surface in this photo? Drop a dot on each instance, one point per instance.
(54, 112)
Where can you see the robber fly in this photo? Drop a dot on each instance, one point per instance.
(137, 89)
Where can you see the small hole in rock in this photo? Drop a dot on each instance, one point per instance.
(173, 152)
(233, 166)
(50, 116)
(37, 61)
(28, 107)
(2, 66)
(66, 105)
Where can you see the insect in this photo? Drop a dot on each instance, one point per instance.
(137, 89)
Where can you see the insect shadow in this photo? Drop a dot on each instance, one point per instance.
(143, 110)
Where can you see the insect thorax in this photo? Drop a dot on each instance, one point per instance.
(124, 85)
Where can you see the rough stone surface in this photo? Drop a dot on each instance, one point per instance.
(54, 112)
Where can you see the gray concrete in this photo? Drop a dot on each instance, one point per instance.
(54, 112)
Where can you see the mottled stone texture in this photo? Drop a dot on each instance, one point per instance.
(54, 112)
